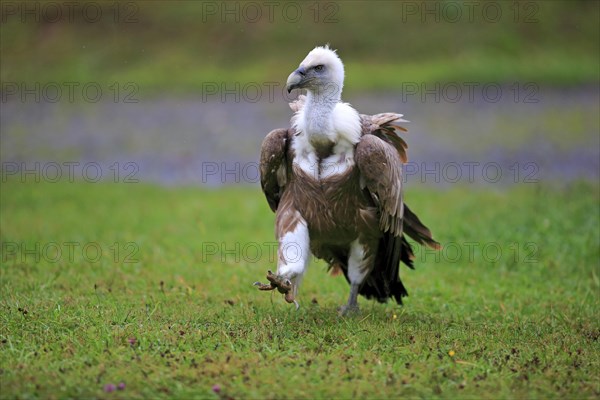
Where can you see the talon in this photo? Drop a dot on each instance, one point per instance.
(289, 297)
(283, 286)
(348, 310)
(271, 277)
(264, 286)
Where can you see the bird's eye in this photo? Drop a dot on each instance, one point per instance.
(319, 68)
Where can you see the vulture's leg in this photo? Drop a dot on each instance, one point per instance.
(358, 267)
(352, 305)
(293, 252)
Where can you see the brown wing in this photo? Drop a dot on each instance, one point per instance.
(414, 228)
(380, 169)
(386, 127)
(381, 173)
(379, 157)
(273, 166)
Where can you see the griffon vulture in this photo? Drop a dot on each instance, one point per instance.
(334, 181)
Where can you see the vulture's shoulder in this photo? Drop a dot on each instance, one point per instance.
(379, 156)
(273, 160)
(387, 127)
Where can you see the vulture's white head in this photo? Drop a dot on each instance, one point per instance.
(321, 73)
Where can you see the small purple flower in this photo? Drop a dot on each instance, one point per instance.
(132, 341)
(109, 387)
(216, 388)
(121, 386)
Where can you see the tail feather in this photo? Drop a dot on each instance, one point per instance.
(384, 280)
(414, 228)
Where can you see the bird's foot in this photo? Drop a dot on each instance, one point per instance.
(348, 309)
(282, 284)
(264, 286)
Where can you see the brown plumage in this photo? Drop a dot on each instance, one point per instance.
(334, 180)
(338, 210)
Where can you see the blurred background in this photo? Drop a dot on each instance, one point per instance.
(177, 96)
(182, 92)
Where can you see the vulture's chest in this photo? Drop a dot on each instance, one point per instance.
(323, 160)
(325, 185)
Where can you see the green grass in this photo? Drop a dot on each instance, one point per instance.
(521, 325)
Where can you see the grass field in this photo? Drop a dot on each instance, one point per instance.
(151, 287)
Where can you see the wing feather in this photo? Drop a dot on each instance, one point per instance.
(414, 228)
(273, 166)
(386, 127)
(380, 167)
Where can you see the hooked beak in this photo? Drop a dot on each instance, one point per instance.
(296, 80)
